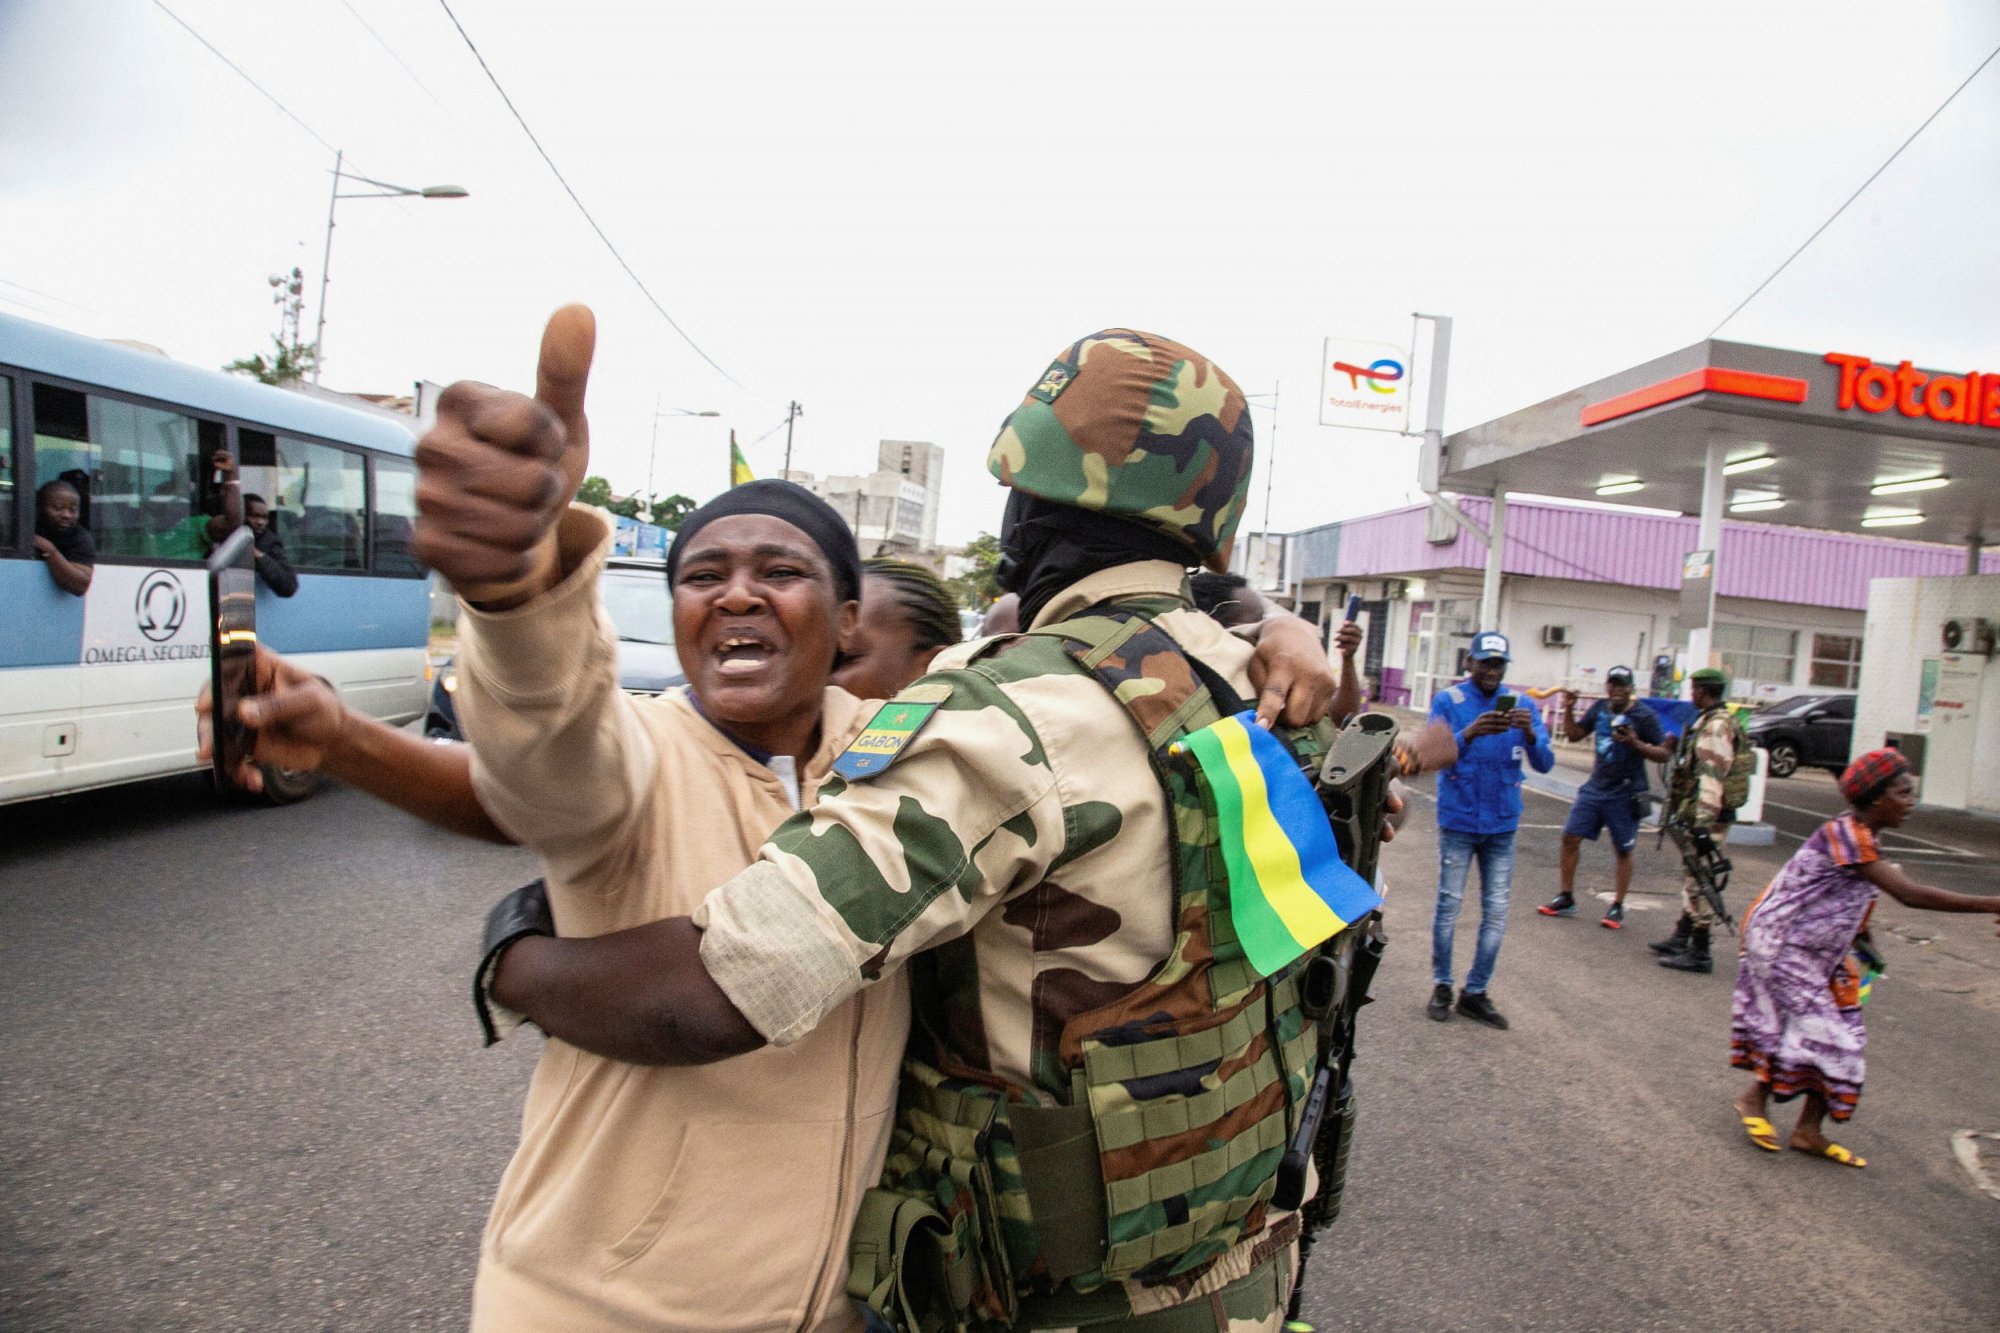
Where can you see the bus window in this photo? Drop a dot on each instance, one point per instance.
(318, 496)
(10, 469)
(395, 515)
(142, 473)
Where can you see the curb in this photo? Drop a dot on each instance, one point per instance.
(1740, 835)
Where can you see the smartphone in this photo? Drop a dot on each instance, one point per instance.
(232, 647)
(1505, 703)
(1353, 607)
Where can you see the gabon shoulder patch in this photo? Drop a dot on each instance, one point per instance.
(893, 727)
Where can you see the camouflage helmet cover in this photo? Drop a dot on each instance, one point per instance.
(1135, 425)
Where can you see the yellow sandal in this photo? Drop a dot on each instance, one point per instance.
(1833, 1152)
(1761, 1132)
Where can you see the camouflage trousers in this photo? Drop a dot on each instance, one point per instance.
(1693, 901)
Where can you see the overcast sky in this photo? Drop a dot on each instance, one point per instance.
(898, 213)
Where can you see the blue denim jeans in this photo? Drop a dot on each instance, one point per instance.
(1496, 877)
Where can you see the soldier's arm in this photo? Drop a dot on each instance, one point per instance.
(640, 995)
(839, 897)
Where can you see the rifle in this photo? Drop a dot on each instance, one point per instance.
(1705, 863)
(1353, 785)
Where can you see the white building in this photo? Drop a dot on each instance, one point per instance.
(1583, 590)
(1928, 684)
(894, 509)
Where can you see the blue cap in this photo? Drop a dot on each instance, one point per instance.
(1489, 645)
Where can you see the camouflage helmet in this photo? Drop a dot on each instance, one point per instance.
(1132, 424)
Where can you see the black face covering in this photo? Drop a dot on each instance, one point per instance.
(1045, 547)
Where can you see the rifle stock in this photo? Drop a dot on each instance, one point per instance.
(1353, 785)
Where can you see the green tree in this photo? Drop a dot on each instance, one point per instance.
(288, 364)
(670, 512)
(594, 491)
(977, 587)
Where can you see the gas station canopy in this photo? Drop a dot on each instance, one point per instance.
(1854, 444)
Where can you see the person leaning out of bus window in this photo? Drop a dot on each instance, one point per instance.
(272, 564)
(62, 540)
(169, 533)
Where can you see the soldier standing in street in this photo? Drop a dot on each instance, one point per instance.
(1102, 1085)
(1697, 796)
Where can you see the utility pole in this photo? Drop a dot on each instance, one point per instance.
(326, 260)
(792, 414)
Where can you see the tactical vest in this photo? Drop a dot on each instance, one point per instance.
(1735, 783)
(998, 1209)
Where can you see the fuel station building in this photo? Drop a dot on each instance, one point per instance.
(1788, 471)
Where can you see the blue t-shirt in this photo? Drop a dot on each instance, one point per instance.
(1620, 767)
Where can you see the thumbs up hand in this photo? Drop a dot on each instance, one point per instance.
(495, 472)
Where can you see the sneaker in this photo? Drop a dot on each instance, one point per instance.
(1440, 1006)
(1614, 917)
(1477, 1006)
(1560, 905)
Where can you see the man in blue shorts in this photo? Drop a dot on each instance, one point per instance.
(1628, 733)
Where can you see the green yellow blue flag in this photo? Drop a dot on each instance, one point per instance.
(1289, 891)
(739, 471)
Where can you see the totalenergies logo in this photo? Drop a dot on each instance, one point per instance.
(1966, 400)
(1381, 374)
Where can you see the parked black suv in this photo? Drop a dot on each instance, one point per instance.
(1816, 730)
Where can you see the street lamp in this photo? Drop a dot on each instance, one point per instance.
(382, 190)
(662, 410)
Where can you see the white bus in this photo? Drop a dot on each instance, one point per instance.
(98, 689)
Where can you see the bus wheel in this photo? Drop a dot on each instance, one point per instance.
(283, 786)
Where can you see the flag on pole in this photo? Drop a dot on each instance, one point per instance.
(1289, 891)
(739, 471)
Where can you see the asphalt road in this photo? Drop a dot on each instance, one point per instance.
(244, 1090)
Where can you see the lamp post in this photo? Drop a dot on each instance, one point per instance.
(662, 410)
(382, 190)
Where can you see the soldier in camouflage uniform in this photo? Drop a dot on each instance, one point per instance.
(1003, 831)
(1695, 792)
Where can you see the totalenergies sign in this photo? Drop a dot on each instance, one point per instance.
(1869, 386)
(1365, 385)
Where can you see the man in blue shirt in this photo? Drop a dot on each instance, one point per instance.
(1627, 734)
(1479, 807)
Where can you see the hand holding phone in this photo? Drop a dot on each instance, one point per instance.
(232, 648)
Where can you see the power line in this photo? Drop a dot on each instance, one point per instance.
(261, 89)
(562, 181)
(1858, 192)
(391, 51)
(769, 433)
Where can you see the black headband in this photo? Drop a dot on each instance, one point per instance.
(792, 503)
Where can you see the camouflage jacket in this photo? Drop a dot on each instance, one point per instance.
(1701, 766)
(1018, 843)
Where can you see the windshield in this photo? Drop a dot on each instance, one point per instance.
(637, 602)
(1787, 707)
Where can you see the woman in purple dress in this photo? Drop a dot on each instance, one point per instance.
(1796, 1020)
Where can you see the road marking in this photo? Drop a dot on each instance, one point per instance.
(1966, 1151)
(1943, 849)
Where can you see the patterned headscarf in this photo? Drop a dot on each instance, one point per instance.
(1869, 776)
